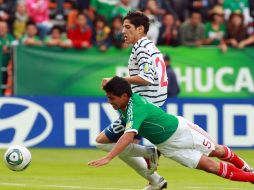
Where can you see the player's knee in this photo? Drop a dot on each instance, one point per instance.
(219, 152)
(102, 138)
(98, 139)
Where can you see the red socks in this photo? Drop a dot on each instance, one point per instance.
(231, 172)
(232, 158)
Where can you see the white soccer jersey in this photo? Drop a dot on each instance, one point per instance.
(147, 62)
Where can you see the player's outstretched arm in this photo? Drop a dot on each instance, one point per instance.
(121, 144)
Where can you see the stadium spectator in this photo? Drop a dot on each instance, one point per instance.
(153, 7)
(246, 42)
(116, 33)
(192, 31)
(203, 7)
(39, 13)
(77, 7)
(31, 38)
(5, 10)
(231, 6)
(157, 7)
(59, 14)
(181, 9)
(80, 34)
(173, 87)
(122, 8)
(154, 27)
(169, 32)
(236, 31)
(176, 138)
(103, 7)
(57, 38)
(6, 41)
(216, 30)
(20, 18)
(101, 34)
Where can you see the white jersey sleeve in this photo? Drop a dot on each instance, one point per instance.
(147, 62)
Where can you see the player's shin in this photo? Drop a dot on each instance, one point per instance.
(140, 166)
(231, 157)
(231, 172)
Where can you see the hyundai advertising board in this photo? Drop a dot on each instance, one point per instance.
(76, 121)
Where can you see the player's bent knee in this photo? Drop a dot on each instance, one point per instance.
(219, 152)
(102, 138)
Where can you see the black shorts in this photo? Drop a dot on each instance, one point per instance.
(116, 129)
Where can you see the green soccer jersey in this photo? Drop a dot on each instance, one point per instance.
(148, 120)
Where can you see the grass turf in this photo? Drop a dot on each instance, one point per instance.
(56, 169)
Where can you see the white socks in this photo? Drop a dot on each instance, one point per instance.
(140, 166)
(133, 156)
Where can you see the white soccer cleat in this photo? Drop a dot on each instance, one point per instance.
(153, 159)
(162, 184)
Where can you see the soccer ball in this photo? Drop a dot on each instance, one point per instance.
(17, 158)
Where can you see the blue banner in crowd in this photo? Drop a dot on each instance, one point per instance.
(61, 122)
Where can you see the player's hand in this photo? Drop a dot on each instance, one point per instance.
(104, 82)
(100, 162)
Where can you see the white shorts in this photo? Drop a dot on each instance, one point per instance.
(187, 144)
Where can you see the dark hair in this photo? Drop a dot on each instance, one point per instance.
(99, 18)
(30, 23)
(138, 18)
(118, 86)
(56, 27)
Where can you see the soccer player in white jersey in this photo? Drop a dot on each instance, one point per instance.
(148, 77)
(175, 137)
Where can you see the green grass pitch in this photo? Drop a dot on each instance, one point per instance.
(56, 169)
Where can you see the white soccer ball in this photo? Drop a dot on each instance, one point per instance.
(17, 158)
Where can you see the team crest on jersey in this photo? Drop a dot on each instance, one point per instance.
(129, 125)
(146, 68)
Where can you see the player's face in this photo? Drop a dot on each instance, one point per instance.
(130, 33)
(116, 101)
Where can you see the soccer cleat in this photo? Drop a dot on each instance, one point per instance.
(153, 159)
(247, 168)
(162, 184)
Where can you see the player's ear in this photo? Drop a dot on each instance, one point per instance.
(125, 95)
(141, 29)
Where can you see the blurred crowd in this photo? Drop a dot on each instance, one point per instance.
(83, 24)
(98, 23)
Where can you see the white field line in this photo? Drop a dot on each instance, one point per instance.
(97, 188)
(217, 188)
(60, 186)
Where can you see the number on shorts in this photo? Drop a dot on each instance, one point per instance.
(207, 143)
(117, 127)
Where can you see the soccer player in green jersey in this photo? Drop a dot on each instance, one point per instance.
(175, 137)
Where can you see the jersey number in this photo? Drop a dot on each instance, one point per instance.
(161, 64)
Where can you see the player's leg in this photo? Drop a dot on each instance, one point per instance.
(140, 166)
(106, 141)
(226, 154)
(224, 170)
(191, 145)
